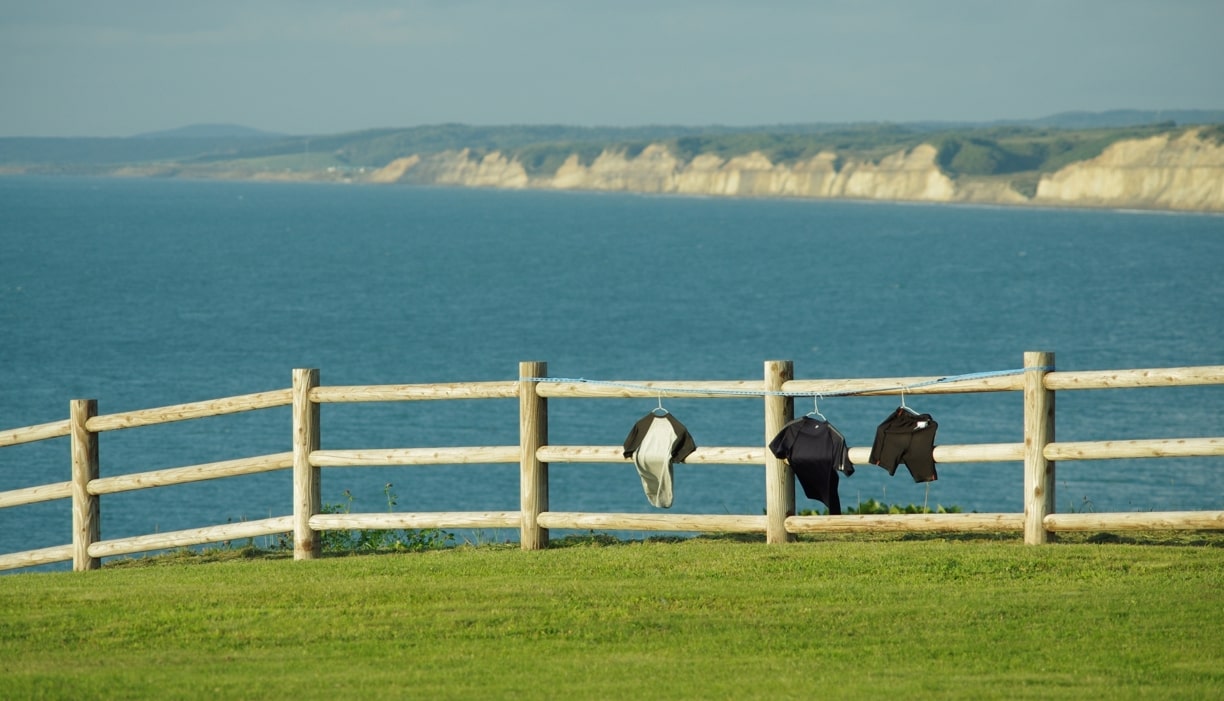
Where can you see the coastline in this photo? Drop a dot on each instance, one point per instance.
(1174, 173)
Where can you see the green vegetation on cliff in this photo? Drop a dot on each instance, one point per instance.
(1006, 150)
(962, 152)
(1021, 153)
(871, 141)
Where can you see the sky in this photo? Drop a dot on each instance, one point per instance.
(126, 67)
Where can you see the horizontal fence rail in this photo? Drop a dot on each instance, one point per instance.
(921, 523)
(414, 456)
(401, 393)
(185, 412)
(1131, 379)
(437, 519)
(1039, 452)
(35, 495)
(30, 434)
(697, 523)
(194, 473)
(194, 536)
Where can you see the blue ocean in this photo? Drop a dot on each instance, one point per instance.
(143, 292)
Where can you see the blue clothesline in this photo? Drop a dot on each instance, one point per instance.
(779, 393)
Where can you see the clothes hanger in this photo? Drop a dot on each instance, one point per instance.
(659, 411)
(903, 406)
(815, 412)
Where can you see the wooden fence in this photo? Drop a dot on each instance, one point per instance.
(1039, 452)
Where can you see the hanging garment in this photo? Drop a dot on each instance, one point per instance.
(906, 437)
(816, 452)
(654, 443)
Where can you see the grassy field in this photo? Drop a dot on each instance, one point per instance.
(972, 618)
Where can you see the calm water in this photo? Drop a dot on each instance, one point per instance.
(144, 293)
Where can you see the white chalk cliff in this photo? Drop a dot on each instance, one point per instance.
(1161, 172)
(1183, 172)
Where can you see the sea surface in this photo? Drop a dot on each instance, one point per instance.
(143, 293)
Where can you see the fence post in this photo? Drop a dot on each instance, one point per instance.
(1038, 433)
(779, 482)
(533, 474)
(306, 493)
(86, 527)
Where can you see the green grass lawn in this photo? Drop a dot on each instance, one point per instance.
(697, 619)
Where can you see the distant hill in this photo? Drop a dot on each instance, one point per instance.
(1147, 160)
(79, 152)
(172, 145)
(211, 131)
(1127, 118)
(970, 148)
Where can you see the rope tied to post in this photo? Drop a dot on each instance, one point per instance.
(780, 393)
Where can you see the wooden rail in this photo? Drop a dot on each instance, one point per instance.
(414, 456)
(184, 412)
(29, 434)
(193, 473)
(194, 536)
(402, 393)
(1039, 452)
(926, 523)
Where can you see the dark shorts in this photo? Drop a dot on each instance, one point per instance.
(907, 438)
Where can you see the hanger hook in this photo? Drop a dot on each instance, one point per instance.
(660, 411)
(903, 397)
(816, 407)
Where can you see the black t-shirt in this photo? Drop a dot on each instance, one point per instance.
(816, 452)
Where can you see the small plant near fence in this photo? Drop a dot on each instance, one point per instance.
(874, 506)
(374, 539)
